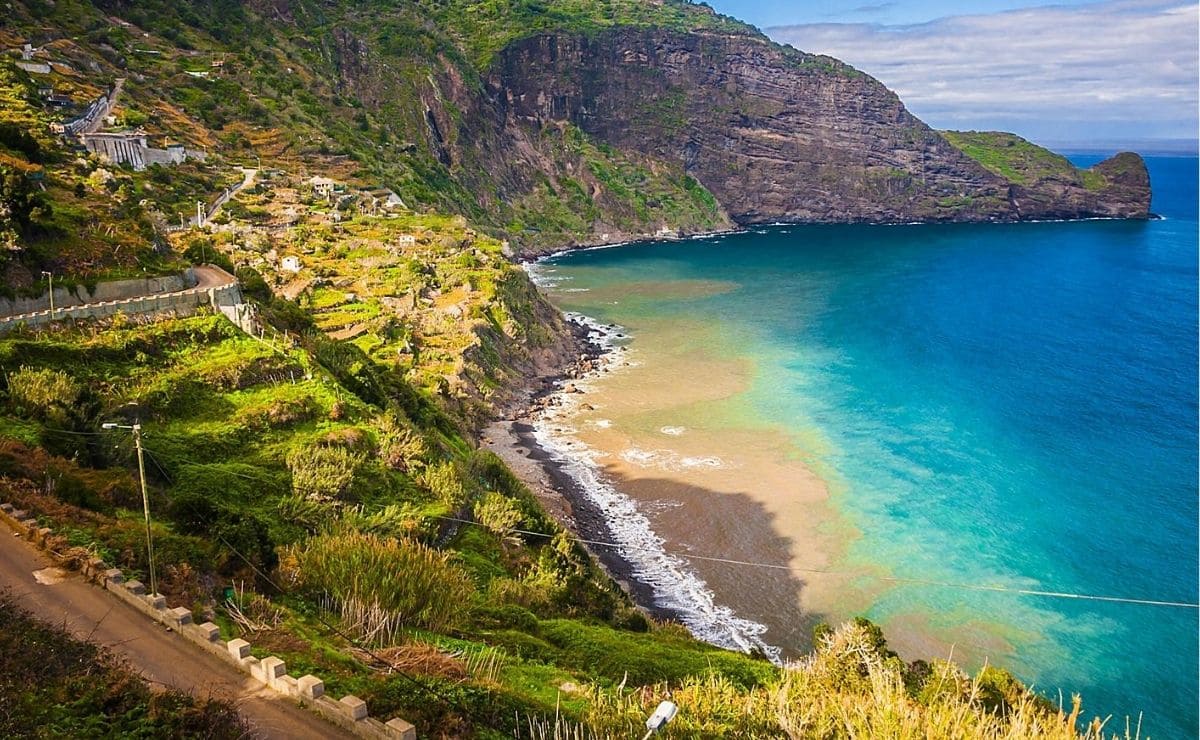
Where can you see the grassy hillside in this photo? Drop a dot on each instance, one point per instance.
(373, 93)
(1021, 161)
(322, 491)
(317, 490)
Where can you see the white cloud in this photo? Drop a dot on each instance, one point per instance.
(1126, 68)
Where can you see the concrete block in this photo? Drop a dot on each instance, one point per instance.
(6, 507)
(180, 615)
(354, 707)
(95, 567)
(398, 728)
(311, 687)
(114, 575)
(239, 648)
(254, 665)
(30, 526)
(156, 601)
(273, 668)
(286, 685)
(209, 631)
(19, 514)
(135, 587)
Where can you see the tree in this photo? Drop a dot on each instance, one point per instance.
(22, 206)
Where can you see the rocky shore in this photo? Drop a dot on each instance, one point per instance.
(513, 439)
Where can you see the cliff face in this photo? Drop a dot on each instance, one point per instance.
(586, 122)
(776, 134)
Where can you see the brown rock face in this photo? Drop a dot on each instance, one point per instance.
(779, 135)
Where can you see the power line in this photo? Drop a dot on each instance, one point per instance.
(860, 574)
(979, 587)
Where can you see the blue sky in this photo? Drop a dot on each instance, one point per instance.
(1068, 72)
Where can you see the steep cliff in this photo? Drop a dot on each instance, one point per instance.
(558, 123)
(777, 134)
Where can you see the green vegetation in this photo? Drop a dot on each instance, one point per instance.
(380, 586)
(326, 494)
(1020, 161)
(267, 462)
(279, 99)
(485, 28)
(52, 685)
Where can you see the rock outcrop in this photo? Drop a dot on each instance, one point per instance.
(779, 135)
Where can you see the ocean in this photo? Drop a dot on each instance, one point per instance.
(807, 423)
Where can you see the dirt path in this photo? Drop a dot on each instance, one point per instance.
(64, 598)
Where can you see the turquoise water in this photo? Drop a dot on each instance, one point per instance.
(997, 404)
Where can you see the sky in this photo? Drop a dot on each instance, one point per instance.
(1072, 72)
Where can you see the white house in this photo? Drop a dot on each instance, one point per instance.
(322, 186)
(291, 263)
(406, 240)
(387, 198)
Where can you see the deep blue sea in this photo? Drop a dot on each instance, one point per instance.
(997, 404)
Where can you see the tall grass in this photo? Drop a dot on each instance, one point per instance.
(848, 688)
(380, 586)
(851, 686)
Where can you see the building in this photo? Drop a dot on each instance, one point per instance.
(385, 198)
(130, 148)
(291, 263)
(322, 186)
(37, 68)
(406, 240)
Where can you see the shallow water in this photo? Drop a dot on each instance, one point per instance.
(1006, 405)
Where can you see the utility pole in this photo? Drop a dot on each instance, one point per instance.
(136, 428)
(51, 276)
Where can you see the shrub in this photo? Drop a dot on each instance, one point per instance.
(380, 586)
(849, 687)
(49, 395)
(445, 482)
(498, 513)
(323, 473)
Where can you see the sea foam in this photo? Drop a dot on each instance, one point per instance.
(676, 586)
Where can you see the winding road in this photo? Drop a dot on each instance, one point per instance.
(61, 597)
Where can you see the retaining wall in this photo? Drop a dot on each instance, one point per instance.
(349, 712)
(111, 290)
(227, 299)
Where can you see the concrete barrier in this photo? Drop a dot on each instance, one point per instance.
(349, 712)
(109, 290)
(225, 299)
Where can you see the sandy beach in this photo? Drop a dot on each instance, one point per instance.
(632, 453)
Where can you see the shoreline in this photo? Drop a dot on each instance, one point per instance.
(513, 439)
(524, 257)
(604, 506)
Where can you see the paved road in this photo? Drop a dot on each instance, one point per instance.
(88, 612)
(210, 276)
(207, 276)
(96, 122)
(248, 175)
